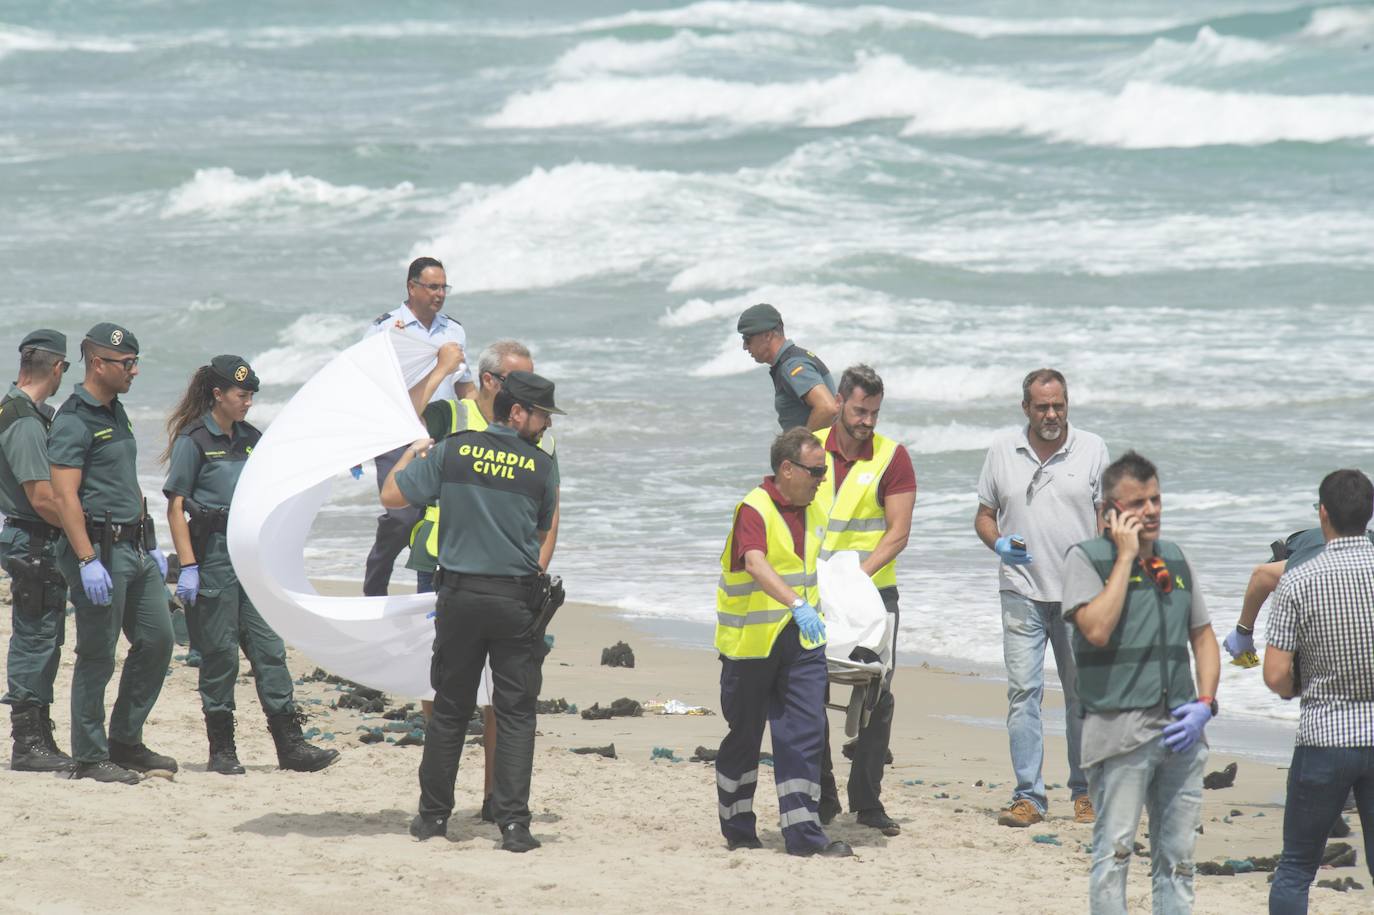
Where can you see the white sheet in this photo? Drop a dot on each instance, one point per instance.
(356, 407)
(854, 610)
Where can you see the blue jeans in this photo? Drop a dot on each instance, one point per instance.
(1318, 782)
(1169, 786)
(1026, 626)
(424, 582)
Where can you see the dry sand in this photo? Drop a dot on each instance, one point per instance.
(629, 834)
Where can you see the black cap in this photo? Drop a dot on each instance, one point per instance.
(531, 390)
(758, 318)
(236, 371)
(52, 341)
(112, 336)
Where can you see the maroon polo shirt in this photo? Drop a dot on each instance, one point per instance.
(750, 533)
(899, 477)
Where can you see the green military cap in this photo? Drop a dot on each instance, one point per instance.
(236, 371)
(531, 390)
(52, 341)
(759, 318)
(112, 336)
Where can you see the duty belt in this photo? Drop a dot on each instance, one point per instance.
(513, 586)
(40, 530)
(132, 532)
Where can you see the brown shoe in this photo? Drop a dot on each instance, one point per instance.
(1021, 813)
(1083, 809)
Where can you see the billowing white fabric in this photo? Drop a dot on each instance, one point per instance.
(356, 407)
(854, 611)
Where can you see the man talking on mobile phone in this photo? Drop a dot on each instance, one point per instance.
(1136, 610)
(1038, 495)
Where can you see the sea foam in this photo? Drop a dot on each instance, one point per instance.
(1142, 115)
(612, 55)
(217, 192)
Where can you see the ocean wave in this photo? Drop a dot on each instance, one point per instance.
(613, 55)
(307, 344)
(15, 38)
(1342, 23)
(217, 192)
(1142, 115)
(948, 438)
(1207, 52)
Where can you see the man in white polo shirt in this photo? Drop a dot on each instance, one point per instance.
(1038, 495)
(421, 315)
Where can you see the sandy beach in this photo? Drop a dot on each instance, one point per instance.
(631, 834)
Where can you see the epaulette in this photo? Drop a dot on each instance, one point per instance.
(381, 318)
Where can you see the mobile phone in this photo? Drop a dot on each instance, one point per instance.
(1018, 544)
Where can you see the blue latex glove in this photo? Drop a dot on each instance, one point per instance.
(188, 584)
(1238, 643)
(161, 561)
(1010, 555)
(810, 623)
(1186, 730)
(96, 582)
(357, 471)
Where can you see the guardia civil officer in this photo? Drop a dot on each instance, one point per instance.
(803, 389)
(771, 640)
(209, 440)
(28, 552)
(497, 492)
(443, 418)
(111, 562)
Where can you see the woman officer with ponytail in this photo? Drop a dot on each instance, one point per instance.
(208, 442)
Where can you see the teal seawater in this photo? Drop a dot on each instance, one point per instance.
(1169, 201)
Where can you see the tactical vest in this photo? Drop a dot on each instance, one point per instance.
(463, 416)
(781, 389)
(856, 520)
(1146, 660)
(748, 621)
(15, 408)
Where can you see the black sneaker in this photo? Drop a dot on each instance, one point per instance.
(486, 810)
(139, 758)
(105, 771)
(422, 828)
(516, 837)
(828, 809)
(736, 844)
(835, 849)
(878, 819)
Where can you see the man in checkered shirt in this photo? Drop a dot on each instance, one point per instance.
(1321, 647)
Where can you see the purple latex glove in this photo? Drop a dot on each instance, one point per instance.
(1190, 719)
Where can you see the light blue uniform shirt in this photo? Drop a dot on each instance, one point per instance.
(443, 330)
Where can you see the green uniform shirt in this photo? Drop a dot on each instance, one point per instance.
(795, 372)
(23, 453)
(206, 462)
(500, 492)
(99, 440)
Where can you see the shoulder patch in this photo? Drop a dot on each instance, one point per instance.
(381, 318)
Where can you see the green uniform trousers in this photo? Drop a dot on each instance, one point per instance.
(221, 621)
(38, 620)
(138, 605)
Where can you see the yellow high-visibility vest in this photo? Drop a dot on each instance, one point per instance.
(424, 536)
(748, 621)
(855, 521)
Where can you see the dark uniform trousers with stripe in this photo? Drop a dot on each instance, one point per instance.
(786, 692)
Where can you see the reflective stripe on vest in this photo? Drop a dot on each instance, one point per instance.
(856, 520)
(1146, 658)
(425, 533)
(748, 621)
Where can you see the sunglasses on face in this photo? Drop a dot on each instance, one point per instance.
(128, 364)
(1159, 572)
(816, 472)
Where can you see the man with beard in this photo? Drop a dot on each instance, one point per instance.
(497, 492)
(868, 495)
(1038, 495)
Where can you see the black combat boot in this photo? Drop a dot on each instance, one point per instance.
(45, 713)
(293, 751)
(34, 750)
(224, 756)
(136, 757)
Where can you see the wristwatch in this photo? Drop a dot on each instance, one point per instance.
(799, 602)
(1212, 704)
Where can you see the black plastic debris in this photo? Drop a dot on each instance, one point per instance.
(1223, 778)
(705, 754)
(607, 751)
(618, 655)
